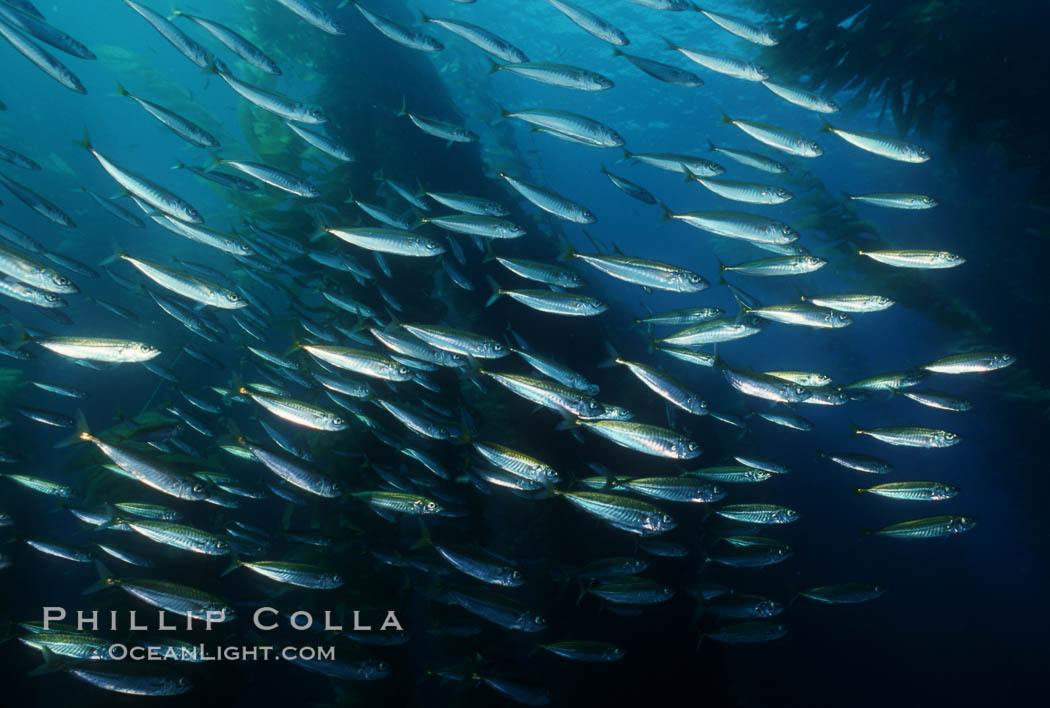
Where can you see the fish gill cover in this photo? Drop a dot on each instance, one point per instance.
(585, 352)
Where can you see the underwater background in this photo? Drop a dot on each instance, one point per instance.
(962, 620)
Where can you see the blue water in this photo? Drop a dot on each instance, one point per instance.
(962, 620)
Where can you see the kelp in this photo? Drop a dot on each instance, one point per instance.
(966, 71)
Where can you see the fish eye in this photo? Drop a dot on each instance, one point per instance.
(51, 297)
(338, 421)
(539, 620)
(431, 506)
(61, 280)
(182, 681)
(336, 578)
(222, 545)
(498, 347)
(515, 575)
(950, 436)
(233, 297)
(198, 488)
(403, 370)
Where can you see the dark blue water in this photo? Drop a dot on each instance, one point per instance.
(962, 619)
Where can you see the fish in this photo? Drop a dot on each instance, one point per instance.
(234, 42)
(916, 258)
(188, 285)
(756, 34)
(782, 265)
(393, 241)
(779, 138)
(572, 126)
(880, 145)
(572, 304)
(642, 271)
(913, 491)
(912, 436)
(41, 59)
(750, 192)
(550, 202)
(322, 143)
(929, 527)
(314, 16)
(480, 38)
(719, 62)
(859, 462)
(178, 39)
(150, 193)
(37, 203)
(298, 574)
(845, 593)
(570, 77)
(630, 188)
(971, 363)
(280, 105)
(274, 177)
(481, 225)
(641, 437)
(297, 412)
(402, 35)
(809, 100)
(632, 516)
(672, 162)
(591, 23)
(185, 129)
(895, 200)
(18, 159)
(750, 159)
(662, 72)
(438, 128)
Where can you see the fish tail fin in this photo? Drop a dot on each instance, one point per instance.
(116, 252)
(614, 357)
(568, 252)
(81, 433)
(179, 165)
(725, 119)
(234, 565)
(175, 12)
(121, 91)
(826, 127)
(496, 291)
(21, 336)
(403, 111)
(51, 663)
(567, 424)
(670, 45)
(489, 255)
(722, 268)
(504, 114)
(847, 195)
(424, 17)
(493, 67)
(860, 490)
(106, 578)
(665, 213)
(711, 146)
(854, 428)
(617, 52)
(425, 541)
(85, 142)
(214, 160)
